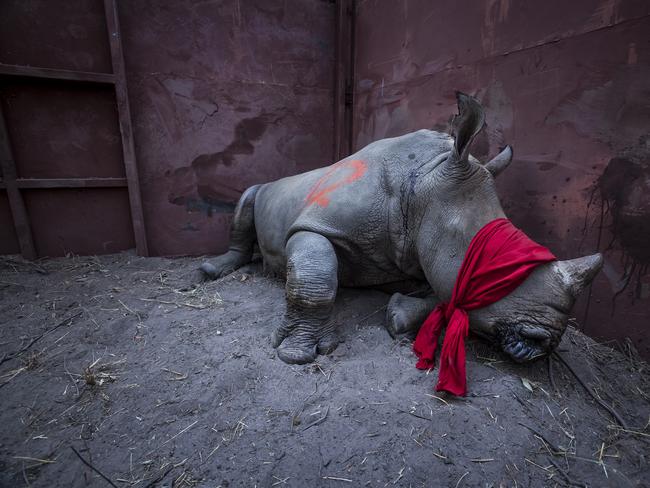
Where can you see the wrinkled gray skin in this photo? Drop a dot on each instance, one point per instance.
(408, 219)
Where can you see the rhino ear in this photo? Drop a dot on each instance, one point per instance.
(500, 162)
(576, 274)
(465, 126)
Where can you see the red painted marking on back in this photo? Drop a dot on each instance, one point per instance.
(319, 193)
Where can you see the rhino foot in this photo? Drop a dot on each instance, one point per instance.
(404, 314)
(277, 336)
(307, 329)
(294, 351)
(328, 343)
(224, 265)
(301, 349)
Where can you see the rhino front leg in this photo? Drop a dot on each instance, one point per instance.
(307, 328)
(405, 314)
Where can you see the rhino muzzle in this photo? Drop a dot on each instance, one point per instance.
(524, 343)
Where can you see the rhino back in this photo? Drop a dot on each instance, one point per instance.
(355, 203)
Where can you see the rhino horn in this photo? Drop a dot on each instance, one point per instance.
(500, 162)
(465, 126)
(578, 273)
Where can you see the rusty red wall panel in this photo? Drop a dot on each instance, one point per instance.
(59, 130)
(86, 222)
(224, 95)
(63, 129)
(65, 35)
(8, 238)
(404, 39)
(569, 92)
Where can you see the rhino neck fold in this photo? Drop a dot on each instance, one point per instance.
(441, 248)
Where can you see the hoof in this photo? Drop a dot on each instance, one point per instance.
(277, 336)
(395, 323)
(398, 321)
(294, 354)
(327, 344)
(209, 271)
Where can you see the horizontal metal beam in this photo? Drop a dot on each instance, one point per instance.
(37, 183)
(56, 74)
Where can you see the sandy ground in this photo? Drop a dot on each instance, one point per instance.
(114, 365)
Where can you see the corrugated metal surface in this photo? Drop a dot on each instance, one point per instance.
(566, 83)
(224, 95)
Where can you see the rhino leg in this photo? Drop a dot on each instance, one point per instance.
(404, 314)
(242, 239)
(307, 328)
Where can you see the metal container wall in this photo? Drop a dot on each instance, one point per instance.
(228, 94)
(567, 85)
(224, 95)
(62, 129)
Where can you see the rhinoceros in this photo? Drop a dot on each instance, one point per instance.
(400, 211)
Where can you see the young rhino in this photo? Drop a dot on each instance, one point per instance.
(399, 211)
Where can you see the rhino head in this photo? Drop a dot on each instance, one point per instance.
(457, 196)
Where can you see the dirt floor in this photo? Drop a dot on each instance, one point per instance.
(118, 365)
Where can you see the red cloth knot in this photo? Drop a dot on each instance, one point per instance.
(499, 258)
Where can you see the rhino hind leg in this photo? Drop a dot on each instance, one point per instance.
(242, 239)
(404, 314)
(307, 328)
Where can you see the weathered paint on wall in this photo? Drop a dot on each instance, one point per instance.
(224, 95)
(64, 35)
(59, 129)
(78, 220)
(567, 85)
(228, 94)
(74, 134)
